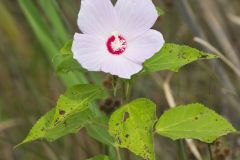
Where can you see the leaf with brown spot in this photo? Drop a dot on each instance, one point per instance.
(193, 121)
(173, 57)
(71, 114)
(132, 127)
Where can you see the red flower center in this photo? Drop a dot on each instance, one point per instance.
(116, 44)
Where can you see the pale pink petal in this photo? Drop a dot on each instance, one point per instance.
(120, 66)
(89, 51)
(97, 17)
(144, 46)
(135, 16)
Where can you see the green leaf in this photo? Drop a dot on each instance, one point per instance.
(68, 64)
(173, 57)
(132, 127)
(65, 63)
(76, 99)
(71, 114)
(160, 11)
(99, 158)
(38, 130)
(67, 48)
(98, 130)
(193, 121)
(45, 129)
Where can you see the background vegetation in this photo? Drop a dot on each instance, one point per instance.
(32, 32)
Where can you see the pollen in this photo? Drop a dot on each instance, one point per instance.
(116, 44)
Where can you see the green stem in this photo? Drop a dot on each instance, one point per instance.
(115, 86)
(127, 91)
(210, 152)
(118, 154)
(181, 150)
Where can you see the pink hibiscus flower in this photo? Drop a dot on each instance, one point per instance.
(116, 39)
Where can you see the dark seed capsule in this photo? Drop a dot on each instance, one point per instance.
(217, 143)
(226, 152)
(107, 84)
(117, 103)
(108, 102)
(216, 151)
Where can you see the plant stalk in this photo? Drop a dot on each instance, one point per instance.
(127, 91)
(118, 154)
(181, 150)
(165, 85)
(210, 152)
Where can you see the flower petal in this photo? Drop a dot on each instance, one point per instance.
(135, 16)
(145, 46)
(97, 17)
(120, 66)
(89, 51)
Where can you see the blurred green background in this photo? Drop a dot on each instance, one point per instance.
(33, 31)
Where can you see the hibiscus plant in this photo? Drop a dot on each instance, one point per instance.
(117, 40)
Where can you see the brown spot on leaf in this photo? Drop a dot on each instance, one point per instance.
(125, 116)
(65, 124)
(119, 140)
(204, 56)
(62, 112)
